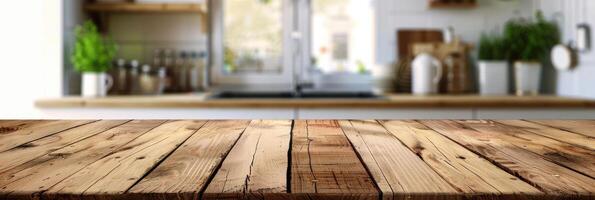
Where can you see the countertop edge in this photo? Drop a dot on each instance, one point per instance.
(392, 101)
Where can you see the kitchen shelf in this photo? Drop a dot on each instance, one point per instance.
(147, 8)
(445, 5)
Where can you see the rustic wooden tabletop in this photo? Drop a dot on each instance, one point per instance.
(322, 159)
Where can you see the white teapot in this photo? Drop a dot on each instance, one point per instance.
(426, 72)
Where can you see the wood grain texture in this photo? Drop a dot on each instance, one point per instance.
(463, 169)
(532, 168)
(256, 167)
(43, 172)
(37, 148)
(36, 131)
(391, 101)
(398, 172)
(553, 133)
(114, 174)
(576, 158)
(324, 164)
(583, 127)
(8, 126)
(281, 159)
(186, 172)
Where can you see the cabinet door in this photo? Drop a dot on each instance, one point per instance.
(251, 44)
(536, 113)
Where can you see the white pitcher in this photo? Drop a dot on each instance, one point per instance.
(427, 72)
(96, 84)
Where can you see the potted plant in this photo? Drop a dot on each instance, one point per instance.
(92, 56)
(529, 44)
(493, 68)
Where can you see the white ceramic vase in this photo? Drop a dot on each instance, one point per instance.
(493, 78)
(527, 78)
(96, 84)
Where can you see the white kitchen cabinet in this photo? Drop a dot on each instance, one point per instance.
(400, 113)
(316, 113)
(541, 113)
(167, 113)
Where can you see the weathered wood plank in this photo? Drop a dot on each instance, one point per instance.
(116, 173)
(553, 133)
(394, 165)
(325, 165)
(256, 167)
(41, 173)
(547, 176)
(578, 159)
(36, 131)
(185, 173)
(37, 148)
(462, 168)
(584, 127)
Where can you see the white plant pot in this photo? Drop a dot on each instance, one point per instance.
(96, 84)
(527, 78)
(493, 77)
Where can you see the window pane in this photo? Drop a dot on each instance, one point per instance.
(253, 36)
(342, 35)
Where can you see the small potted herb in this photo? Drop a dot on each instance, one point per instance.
(529, 44)
(92, 56)
(493, 68)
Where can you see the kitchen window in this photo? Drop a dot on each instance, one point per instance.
(277, 44)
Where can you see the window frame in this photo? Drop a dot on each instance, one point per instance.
(255, 81)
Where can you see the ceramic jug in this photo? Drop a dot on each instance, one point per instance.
(426, 72)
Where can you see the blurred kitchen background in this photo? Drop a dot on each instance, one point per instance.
(293, 50)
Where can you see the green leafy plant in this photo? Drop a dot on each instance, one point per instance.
(530, 40)
(492, 48)
(92, 52)
(230, 60)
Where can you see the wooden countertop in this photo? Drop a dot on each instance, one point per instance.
(391, 101)
(322, 159)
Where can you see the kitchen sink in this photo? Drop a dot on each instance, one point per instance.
(288, 95)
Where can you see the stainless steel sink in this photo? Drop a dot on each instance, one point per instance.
(288, 95)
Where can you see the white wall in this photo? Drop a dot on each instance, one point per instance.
(579, 82)
(30, 55)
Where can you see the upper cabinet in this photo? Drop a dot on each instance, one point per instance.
(452, 4)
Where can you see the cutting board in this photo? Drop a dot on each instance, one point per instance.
(407, 37)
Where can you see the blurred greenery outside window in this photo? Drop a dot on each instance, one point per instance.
(341, 36)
